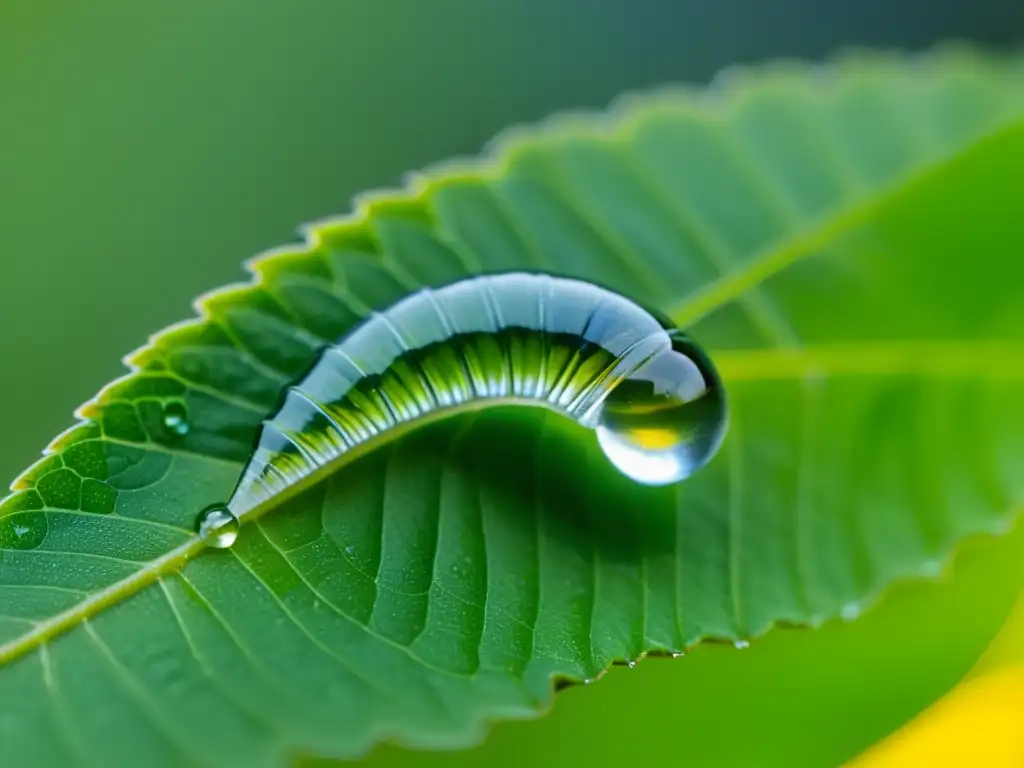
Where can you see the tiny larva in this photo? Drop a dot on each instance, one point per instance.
(650, 393)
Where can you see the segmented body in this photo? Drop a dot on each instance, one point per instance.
(520, 337)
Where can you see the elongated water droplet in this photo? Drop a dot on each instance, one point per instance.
(678, 654)
(218, 527)
(649, 392)
(666, 420)
(176, 419)
(741, 644)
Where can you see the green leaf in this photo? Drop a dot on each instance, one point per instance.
(809, 225)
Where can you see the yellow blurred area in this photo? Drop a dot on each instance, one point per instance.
(979, 723)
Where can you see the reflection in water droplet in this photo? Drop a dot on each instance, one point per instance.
(631, 663)
(741, 644)
(678, 654)
(587, 681)
(218, 527)
(667, 419)
(176, 419)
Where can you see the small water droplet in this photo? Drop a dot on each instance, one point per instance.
(667, 419)
(349, 549)
(176, 419)
(850, 611)
(23, 530)
(741, 644)
(678, 654)
(218, 527)
(631, 663)
(587, 681)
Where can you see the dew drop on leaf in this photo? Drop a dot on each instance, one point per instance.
(25, 530)
(176, 419)
(217, 527)
(651, 394)
(667, 419)
(741, 644)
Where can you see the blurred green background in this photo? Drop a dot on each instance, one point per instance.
(147, 147)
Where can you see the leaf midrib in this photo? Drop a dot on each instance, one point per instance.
(884, 358)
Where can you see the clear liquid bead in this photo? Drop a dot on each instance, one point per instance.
(176, 419)
(217, 527)
(667, 419)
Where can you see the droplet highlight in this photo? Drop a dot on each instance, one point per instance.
(741, 644)
(176, 419)
(217, 527)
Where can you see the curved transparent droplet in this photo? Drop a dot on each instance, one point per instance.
(217, 527)
(176, 419)
(597, 357)
(667, 419)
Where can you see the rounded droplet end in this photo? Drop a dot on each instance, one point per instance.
(667, 419)
(176, 419)
(217, 527)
